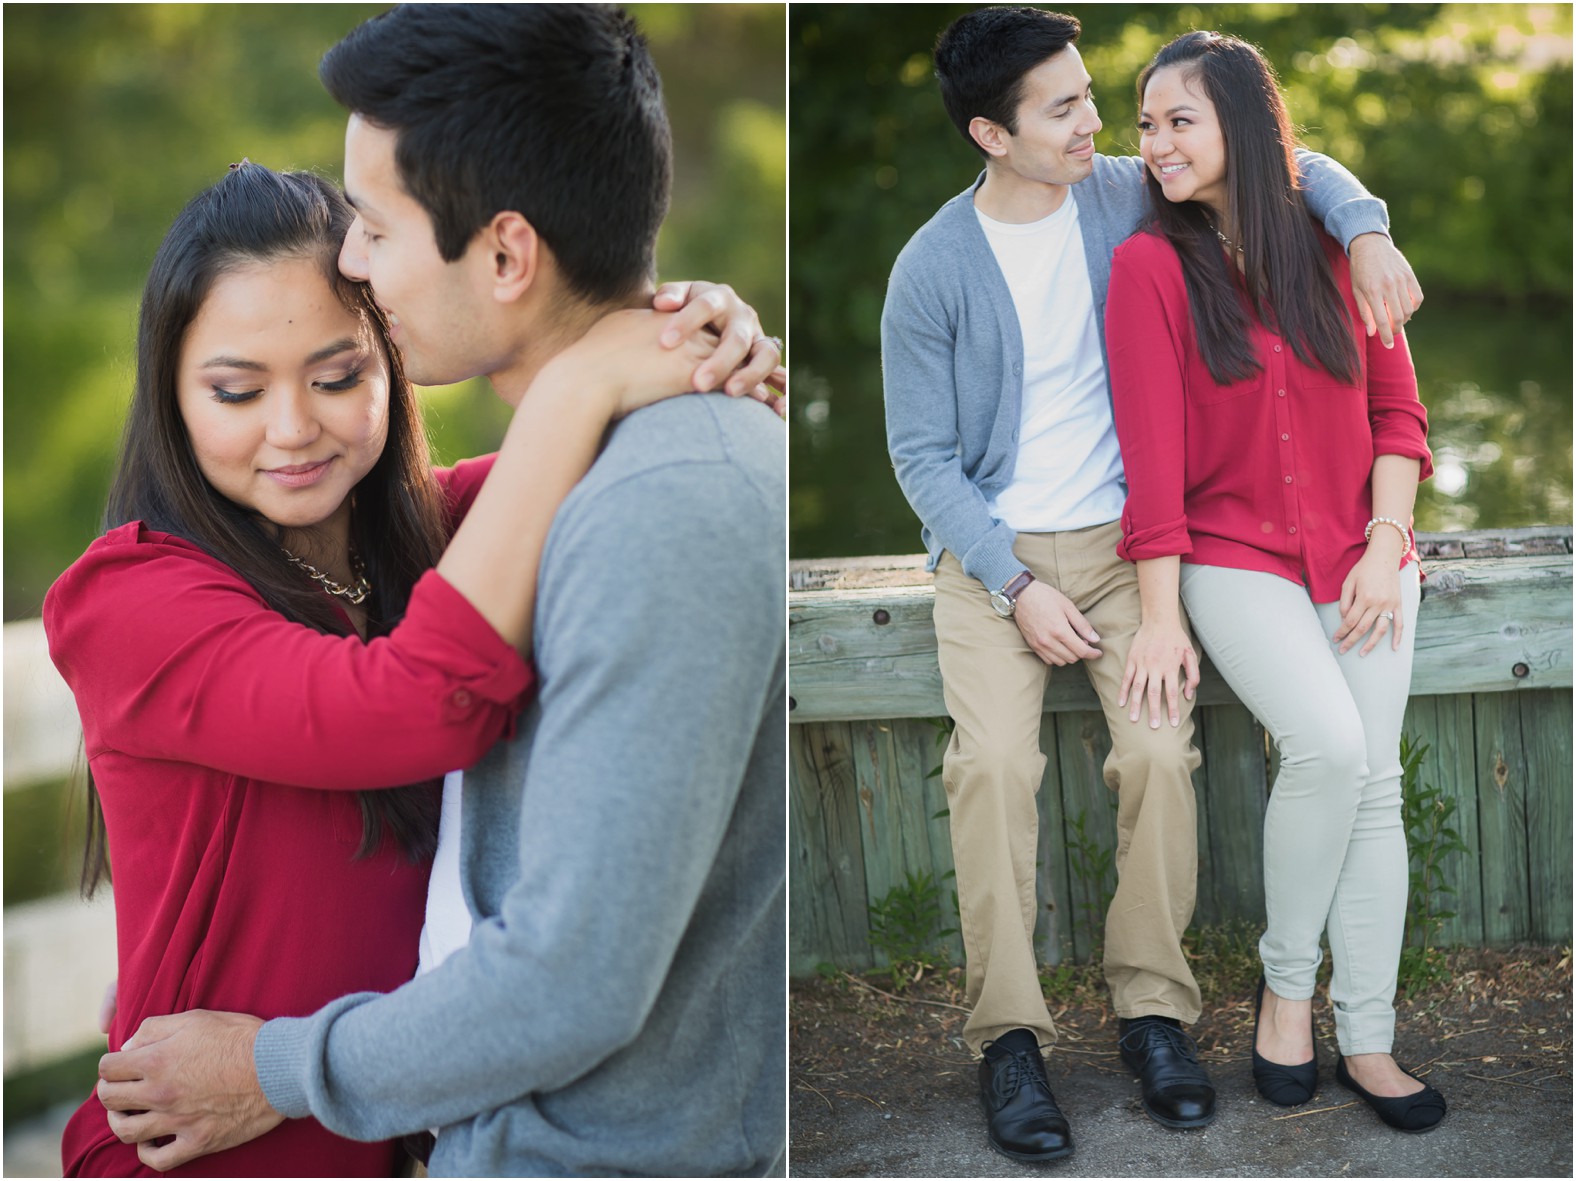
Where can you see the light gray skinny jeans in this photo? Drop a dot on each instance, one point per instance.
(1334, 846)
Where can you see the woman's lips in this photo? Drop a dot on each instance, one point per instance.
(300, 475)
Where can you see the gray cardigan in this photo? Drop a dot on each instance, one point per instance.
(952, 354)
(621, 1006)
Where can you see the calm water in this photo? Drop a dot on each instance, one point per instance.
(1496, 381)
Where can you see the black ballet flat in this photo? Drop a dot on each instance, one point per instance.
(1416, 1113)
(1285, 1086)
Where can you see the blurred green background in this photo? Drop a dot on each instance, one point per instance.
(116, 115)
(1459, 116)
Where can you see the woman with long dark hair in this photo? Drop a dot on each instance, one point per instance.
(277, 623)
(1272, 453)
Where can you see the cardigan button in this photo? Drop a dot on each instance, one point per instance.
(461, 698)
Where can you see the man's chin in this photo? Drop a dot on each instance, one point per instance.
(1078, 170)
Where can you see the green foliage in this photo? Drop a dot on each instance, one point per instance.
(905, 926)
(1093, 864)
(1070, 983)
(1426, 814)
(944, 728)
(117, 114)
(1224, 957)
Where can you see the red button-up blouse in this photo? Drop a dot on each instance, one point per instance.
(1269, 474)
(225, 742)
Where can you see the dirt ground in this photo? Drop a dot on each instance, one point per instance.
(881, 1084)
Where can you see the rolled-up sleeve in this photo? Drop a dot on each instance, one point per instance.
(1395, 413)
(1142, 341)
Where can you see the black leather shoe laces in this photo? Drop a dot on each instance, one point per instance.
(1022, 1068)
(1151, 1037)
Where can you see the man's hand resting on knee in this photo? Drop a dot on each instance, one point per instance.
(184, 1086)
(1053, 626)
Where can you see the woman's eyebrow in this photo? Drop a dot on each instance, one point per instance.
(233, 363)
(331, 350)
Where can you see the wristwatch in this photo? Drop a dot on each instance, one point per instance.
(1005, 601)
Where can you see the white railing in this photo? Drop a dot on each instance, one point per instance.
(60, 951)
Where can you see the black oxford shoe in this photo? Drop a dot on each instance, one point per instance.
(1177, 1092)
(1020, 1110)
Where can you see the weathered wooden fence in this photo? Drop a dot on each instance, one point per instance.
(1491, 696)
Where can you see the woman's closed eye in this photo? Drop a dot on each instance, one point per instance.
(349, 382)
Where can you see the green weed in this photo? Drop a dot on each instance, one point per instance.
(1426, 813)
(905, 926)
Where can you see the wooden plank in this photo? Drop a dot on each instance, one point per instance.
(1486, 624)
(894, 835)
(1082, 743)
(1206, 910)
(828, 863)
(1235, 781)
(1053, 928)
(59, 954)
(1546, 738)
(909, 569)
(1445, 724)
(926, 754)
(1501, 766)
(43, 736)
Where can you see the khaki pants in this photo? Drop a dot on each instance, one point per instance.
(994, 684)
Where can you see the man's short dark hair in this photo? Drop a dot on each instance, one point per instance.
(982, 57)
(553, 110)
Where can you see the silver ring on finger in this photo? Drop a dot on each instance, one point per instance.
(1390, 615)
(774, 340)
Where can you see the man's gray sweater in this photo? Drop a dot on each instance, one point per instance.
(621, 1006)
(952, 352)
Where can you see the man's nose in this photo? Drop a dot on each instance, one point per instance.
(353, 255)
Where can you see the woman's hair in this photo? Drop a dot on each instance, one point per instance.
(253, 215)
(1286, 271)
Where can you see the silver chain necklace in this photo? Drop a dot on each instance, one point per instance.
(354, 594)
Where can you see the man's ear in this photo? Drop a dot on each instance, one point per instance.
(515, 253)
(991, 136)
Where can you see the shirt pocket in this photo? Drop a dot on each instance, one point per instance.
(1203, 390)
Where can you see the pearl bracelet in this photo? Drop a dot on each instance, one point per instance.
(1406, 535)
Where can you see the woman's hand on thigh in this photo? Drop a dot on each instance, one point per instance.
(1161, 659)
(1371, 604)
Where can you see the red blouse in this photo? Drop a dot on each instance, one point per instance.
(1269, 474)
(213, 726)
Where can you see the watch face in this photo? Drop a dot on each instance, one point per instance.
(1004, 606)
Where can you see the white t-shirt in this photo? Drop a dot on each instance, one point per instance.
(447, 927)
(1068, 473)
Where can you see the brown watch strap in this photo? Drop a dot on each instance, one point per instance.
(1015, 588)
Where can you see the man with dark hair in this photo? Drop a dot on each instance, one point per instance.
(1000, 429)
(618, 1005)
